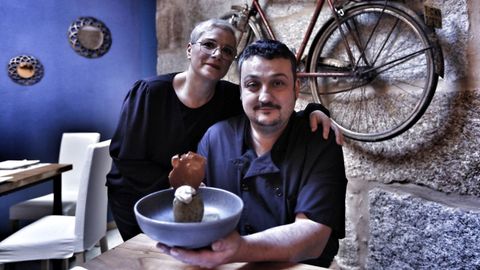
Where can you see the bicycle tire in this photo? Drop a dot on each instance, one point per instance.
(375, 103)
(253, 32)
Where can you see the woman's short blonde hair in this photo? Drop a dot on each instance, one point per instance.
(204, 26)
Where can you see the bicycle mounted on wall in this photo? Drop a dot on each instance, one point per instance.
(373, 64)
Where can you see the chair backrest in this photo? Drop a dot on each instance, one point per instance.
(73, 150)
(91, 210)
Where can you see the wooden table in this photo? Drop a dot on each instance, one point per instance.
(140, 253)
(37, 175)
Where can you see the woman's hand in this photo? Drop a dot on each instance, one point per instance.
(318, 117)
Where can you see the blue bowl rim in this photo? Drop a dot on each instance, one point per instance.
(188, 224)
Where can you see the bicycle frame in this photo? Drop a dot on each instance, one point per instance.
(306, 37)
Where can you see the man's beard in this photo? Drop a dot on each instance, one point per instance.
(271, 125)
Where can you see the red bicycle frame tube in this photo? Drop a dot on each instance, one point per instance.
(306, 37)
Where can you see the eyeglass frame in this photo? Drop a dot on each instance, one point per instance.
(208, 51)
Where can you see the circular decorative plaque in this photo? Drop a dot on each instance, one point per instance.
(89, 37)
(25, 70)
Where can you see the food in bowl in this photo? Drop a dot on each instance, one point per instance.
(186, 176)
(187, 205)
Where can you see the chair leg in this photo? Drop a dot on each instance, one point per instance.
(14, 225)
(65, 264)
(7, 266)
(80, 257)
(103, 244)
(45, 264)
(55, 264)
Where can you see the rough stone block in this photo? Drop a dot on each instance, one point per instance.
(407, 232)
(353, 248)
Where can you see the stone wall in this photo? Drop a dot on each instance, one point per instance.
(413, 201)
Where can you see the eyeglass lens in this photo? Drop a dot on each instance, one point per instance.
(210, 47)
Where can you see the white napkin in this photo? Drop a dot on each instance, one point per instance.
(14, 164)
(5, 178)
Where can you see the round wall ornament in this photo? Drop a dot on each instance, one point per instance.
(89, 37)
(25, 70)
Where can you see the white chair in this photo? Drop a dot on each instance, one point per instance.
(73, 150)
(61, 237)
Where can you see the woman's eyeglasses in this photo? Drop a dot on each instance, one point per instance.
(210, 47)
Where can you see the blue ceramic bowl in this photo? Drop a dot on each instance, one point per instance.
(154, 214)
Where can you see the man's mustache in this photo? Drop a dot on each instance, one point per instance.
(267, 105)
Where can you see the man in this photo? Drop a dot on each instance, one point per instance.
(292, 182)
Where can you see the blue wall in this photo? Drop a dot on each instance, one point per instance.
(76, 93)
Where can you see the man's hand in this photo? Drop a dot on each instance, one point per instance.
(318, 117)
(220, 252)
(294, 242)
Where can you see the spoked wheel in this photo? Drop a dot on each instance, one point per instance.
(385, 81)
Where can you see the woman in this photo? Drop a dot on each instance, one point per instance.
(168, 115)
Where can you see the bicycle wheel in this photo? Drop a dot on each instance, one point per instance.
(388, 79)
(252, 33)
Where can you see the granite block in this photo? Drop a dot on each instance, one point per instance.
(407, 232)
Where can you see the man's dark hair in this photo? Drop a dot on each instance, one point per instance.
(268, 49)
